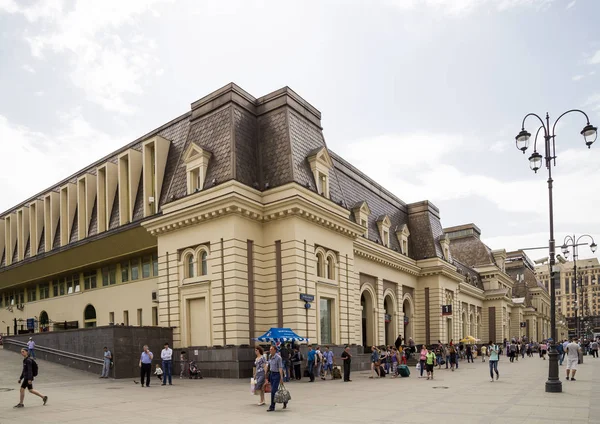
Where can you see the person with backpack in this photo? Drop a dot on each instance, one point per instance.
(30, 370)
(430, 363)
(319, 362)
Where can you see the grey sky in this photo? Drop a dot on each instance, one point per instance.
(424, 96)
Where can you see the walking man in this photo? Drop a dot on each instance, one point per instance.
(573, 350)
(328, 362)
(347, 358)
(146, 365)
(27, 376)
(106, 364)
(167, 364)
(494, 352)
(319, 359)
(275, 376)
(285, 357)
(311, 363)
(594, 349)
(31, 347)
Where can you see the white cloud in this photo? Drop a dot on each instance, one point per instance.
(77, 145)
(418, 167)
(464, 7)
(105, 66)
(499, 146)
(595, 59)
(571, 4)
(28, 68)
(577, 77)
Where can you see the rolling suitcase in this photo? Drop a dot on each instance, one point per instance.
(403, 371)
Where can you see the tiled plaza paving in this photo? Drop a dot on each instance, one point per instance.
(465, 396)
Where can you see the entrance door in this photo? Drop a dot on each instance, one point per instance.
(198, 325)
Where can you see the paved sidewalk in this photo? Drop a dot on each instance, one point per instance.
(466, 395)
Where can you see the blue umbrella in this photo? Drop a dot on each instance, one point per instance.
(280, 335)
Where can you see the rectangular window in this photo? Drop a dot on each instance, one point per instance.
(44, 291)
(139, 317)
(111, 318)
(135, 269)
(325, 318)
(124, 272)
(31, 294)
(104, 276)
(112, 274)
(21, 296)
(11, 299)
(55, 288)
(70, 287)
(155, 265)
(155, 316)
(146, 265)
(126, 317)
(89, 280)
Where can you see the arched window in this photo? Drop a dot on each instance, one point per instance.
(320, 265)
(189, 264)
(44, 320)
(330, 267)
(203, 264)
(89, 316)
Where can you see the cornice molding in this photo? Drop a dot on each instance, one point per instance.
(472, 291)
(376, 253)
(438, 266)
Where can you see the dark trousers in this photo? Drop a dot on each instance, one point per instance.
(274, 379)
(145, 372)
(168, 371)
(297, 372)
(346, 371)
(311, 370)
(470, 357)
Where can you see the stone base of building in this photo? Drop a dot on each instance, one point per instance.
(83, 348)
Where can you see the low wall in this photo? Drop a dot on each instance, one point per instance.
(83, 348)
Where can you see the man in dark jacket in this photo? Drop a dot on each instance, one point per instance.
(398, 342)
(27, 378)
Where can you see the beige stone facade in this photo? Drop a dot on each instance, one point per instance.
(217, 222)
(569, 294)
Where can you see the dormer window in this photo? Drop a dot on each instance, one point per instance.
(361, 215)
(402, 235)
(196, 164)
(383, 224)
(320, 164)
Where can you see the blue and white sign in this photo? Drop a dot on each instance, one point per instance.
(307, 297)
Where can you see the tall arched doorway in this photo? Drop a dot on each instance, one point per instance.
(44, 320)
(465, 328)
(389, 305)
(368, 322)
(408, 324)
(89, 316)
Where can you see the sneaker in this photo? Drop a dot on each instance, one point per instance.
(45, 399)
(567, 378)
(19, 405)
(497, 376)
(572, 378)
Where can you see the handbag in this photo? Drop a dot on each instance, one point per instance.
(252, 385)
(267, 387)
(282, 395)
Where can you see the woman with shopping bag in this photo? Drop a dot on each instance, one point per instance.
(259, 375)
(275, 369)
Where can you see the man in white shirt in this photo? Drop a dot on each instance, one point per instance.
(572, 351)
(31, 347)
(167, 364)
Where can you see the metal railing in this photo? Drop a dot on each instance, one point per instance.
(57, 352)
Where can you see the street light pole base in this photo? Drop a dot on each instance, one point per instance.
(553, 386)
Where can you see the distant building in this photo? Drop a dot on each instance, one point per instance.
(235, 217)
(569, 295)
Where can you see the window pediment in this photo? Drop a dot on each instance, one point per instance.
(196, 160)
(361, 215)
(383, 224)
(402, 235)
(320, 164)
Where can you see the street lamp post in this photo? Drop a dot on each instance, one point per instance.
(589, 134)
(573, 242)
